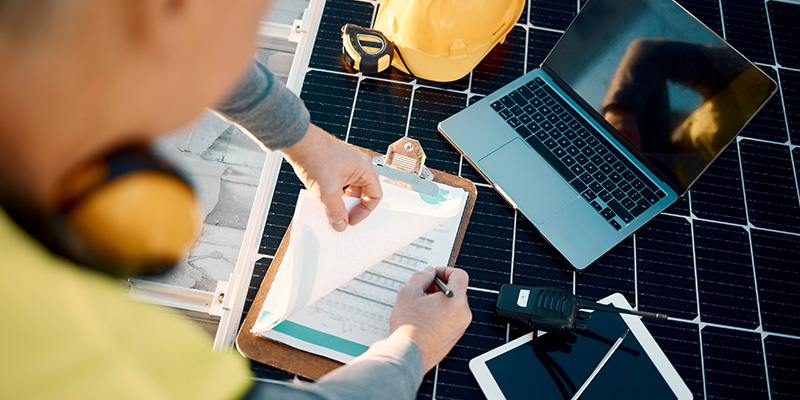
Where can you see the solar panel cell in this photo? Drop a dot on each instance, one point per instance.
(536, 263)
(770, 186)
(681, 344)
(502, 65)
(429, 107)
(790, 87)
(539, 44)
(665, 268)
(380, 114)
(770, 123)
(747, 29)
(553, 14)
(783, 361)
(327, 52)
(487, 248)
(777, 260)
(614, 272)
(680, 207)
(733, 362)
(486, 332)
(281, 209)
(785, 31)
(726, 286)
(718, 194)
(329, 98)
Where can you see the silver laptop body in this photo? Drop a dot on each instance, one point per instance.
(632, 104)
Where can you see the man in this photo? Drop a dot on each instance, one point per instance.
(80, 79)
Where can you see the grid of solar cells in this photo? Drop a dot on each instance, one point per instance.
(723, 262)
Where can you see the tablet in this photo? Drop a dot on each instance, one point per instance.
(555, 366)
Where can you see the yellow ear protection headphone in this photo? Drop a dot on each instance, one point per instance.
(127, 214)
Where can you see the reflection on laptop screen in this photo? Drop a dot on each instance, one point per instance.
(669, 85)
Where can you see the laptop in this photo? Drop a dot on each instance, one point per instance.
(629, 108)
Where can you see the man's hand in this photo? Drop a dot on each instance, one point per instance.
(330, 168)
(427, 317)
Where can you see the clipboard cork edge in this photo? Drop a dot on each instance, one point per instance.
(301, 363)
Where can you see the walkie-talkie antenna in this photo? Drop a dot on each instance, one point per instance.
(590, 305)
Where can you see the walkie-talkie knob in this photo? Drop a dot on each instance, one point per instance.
(580, 326)
(584, 315)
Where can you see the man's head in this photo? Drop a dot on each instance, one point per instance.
(79, 77)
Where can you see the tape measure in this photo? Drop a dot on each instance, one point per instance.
(366, 50)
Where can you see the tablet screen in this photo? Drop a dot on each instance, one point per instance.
(555, 366)
(554, 371)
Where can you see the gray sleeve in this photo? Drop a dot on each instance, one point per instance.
(266, 108)
(391, 368)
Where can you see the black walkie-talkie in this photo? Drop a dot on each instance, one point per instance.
(551, 309)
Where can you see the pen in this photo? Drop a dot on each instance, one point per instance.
(441, 285)
(600, 366)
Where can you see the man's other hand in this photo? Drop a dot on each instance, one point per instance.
(426, 316)
(330, 168)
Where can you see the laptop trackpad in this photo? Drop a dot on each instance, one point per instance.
(518, 171)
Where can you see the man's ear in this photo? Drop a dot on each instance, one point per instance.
(153, 24)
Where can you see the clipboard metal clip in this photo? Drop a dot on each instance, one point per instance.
(404, 166)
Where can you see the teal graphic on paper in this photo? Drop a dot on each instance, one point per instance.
(435, 200)
(316, 337)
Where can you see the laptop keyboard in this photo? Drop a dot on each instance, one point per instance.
(583, 157)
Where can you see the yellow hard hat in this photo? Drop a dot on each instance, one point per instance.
(443, 40)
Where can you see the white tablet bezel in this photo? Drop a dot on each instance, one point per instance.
(492, 391)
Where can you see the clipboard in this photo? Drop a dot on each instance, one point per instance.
(403, 165)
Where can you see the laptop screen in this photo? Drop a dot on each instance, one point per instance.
(669, 85)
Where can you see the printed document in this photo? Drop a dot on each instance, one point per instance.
(334, 291)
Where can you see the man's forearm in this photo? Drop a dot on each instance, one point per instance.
(267, 109)
(391, 368)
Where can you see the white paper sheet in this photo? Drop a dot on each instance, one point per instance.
(334, 292)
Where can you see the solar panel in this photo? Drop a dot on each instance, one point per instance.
(723, 262)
